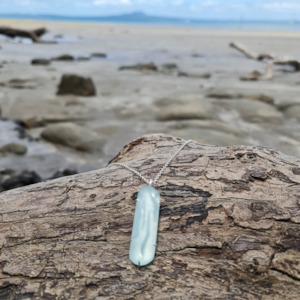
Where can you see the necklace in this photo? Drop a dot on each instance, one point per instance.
(146, 215)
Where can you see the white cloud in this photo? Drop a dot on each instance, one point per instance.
(112, 2)
(177, 3)
(281, 6)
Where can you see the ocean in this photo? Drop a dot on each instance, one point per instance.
(143, 19)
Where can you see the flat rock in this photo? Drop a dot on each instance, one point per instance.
(184, 108)
(145, 67)
(99, 54)
(205, 124)
(13, 148)
(72, 84)
(228, 95)
(64, 57)
(41, 62)
(194, 75)
(254, 111)
(73, 136)
(293, 112)
(208, 136)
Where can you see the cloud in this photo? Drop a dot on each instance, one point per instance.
(112, 2)
(279, 6)
(177, 3)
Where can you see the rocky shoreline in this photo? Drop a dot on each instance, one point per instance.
(72, 109)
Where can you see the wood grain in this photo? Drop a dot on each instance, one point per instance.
(229, 228)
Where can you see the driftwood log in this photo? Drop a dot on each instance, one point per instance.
(271, 59)
(229, 228)
(34, 35)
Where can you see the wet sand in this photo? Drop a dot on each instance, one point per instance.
(131, 103)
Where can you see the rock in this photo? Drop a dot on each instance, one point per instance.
(205, 124)
(32, 122)
(228, 95)
(64, 57)
(14, 148)
(286, 103)
(293, 112)
(197, 55)
(83, 58)
(200, 76)
(73, 136)
(41, 62)
(261, 98)
(65, 172)
(99, 55)
(208, 136)
(184, 108)
(253, 76)
(17, 83)
(10, 179)
(76, 85)
(140, 67)
(169, 66)
(254, 111)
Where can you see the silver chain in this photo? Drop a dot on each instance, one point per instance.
(156, 178)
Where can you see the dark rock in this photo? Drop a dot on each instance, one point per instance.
(197, 55)
(253, 76)
(76, 85)
(64, 57)
(14, 148)
(40, 62)
(199, 76)
(228, 95)
(183, 74)
(65, 172)
(83, 58)
(99, 55)
(10, 179)
(140, 67)
(74, 136)
(170, 66)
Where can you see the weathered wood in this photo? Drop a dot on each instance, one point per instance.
(34, 35)
(229, 228)
(271, 59)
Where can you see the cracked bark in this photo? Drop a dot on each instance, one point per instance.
(229, 228)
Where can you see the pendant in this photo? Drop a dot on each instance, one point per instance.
(145, 226)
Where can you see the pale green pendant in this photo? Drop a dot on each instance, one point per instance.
(145, 226)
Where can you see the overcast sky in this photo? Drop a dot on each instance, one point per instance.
(207, 9)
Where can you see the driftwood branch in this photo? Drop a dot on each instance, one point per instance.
(34, 35)
(229, 228)
(271, 59)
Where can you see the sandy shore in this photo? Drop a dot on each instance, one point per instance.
(131, 103)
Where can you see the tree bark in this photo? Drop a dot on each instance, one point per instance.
(34, 35)
(229, 228)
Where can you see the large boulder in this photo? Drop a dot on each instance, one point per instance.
(72, 84)
(73, 136)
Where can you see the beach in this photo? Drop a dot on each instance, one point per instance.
(180, 81)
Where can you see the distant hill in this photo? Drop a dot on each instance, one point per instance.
(135, 17)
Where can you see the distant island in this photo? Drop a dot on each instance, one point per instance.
(135, 17)
(144, 19)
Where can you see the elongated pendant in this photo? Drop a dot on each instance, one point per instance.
(145, 226)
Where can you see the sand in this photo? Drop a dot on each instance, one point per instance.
(126, 105)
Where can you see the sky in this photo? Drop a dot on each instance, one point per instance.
(189, 9)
